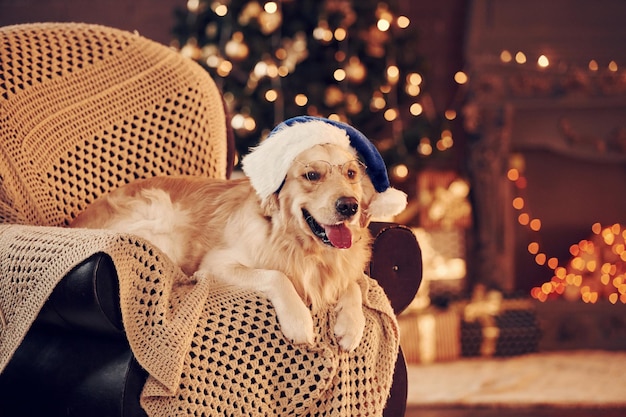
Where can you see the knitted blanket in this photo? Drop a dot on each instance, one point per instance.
(207, 347)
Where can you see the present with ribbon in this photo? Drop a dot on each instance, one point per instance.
(430, 335)
(495, 326)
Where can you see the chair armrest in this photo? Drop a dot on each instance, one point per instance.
(87, 298)
(396, 263)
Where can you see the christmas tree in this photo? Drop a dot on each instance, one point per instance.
(353, 61)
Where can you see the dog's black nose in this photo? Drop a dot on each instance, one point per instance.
(347, 206)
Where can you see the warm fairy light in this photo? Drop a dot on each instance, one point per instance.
(378, 102)
(301, 99)
(413, 81)
(271, 95)
(416, 109)
(272, 70)
(260, 69)
(553, 263)
(224, 68)
(393, 73)
(212, 61)
(390, 115)
(613, 66)
(414, 78)
(403, 22)
(221, 10)
(450, 114)
(341, 34)
(383, 25)
(520, 57)
(593, 65)
(543, 61)
(446, 141)
(270, 7)
(596, 228)
(193, 5)
(535, 225)
(518, 203)
(339, 74)
(460, 77)
(249, 124)
(505, 56)
(425, 148)
(533, 248)
(513, 174)
(237, 121)
(400, 171)
(523, 219)
(412, 90)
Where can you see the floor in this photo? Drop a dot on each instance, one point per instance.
(513, 412)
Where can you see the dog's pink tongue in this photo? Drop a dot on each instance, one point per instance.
(339, 235)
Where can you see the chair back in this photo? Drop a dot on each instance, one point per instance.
(87, 108)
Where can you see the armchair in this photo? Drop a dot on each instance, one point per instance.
(90, 321)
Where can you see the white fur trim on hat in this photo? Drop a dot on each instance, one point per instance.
(388, 203)
(267, 164)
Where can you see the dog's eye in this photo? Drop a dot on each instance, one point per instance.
(313, 176)
(352, 174)
(353, 171)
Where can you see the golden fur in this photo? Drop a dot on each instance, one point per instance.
(219, 228)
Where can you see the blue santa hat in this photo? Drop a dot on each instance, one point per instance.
(267, 164)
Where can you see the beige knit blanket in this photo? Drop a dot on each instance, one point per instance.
(208, 348)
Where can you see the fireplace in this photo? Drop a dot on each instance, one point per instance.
(545, 112)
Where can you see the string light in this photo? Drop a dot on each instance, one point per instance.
(543, 61)
(520, 57)
(460, 77)
(597, 268)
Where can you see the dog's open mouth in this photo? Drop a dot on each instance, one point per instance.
(336, 235)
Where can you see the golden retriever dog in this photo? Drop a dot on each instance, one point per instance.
(304, 246)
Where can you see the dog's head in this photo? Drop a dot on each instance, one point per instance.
(326, 194)
(309, 165)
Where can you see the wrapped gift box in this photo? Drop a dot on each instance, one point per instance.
(511, 330)
(430, 335)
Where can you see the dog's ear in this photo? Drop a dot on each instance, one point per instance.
(368, 194)
(270, 205)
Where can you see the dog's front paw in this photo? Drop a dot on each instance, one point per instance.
(296, 322)
(349, 327)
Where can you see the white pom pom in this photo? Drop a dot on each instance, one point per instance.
(388, 203)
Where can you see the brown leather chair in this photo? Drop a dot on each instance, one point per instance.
(168, 118)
